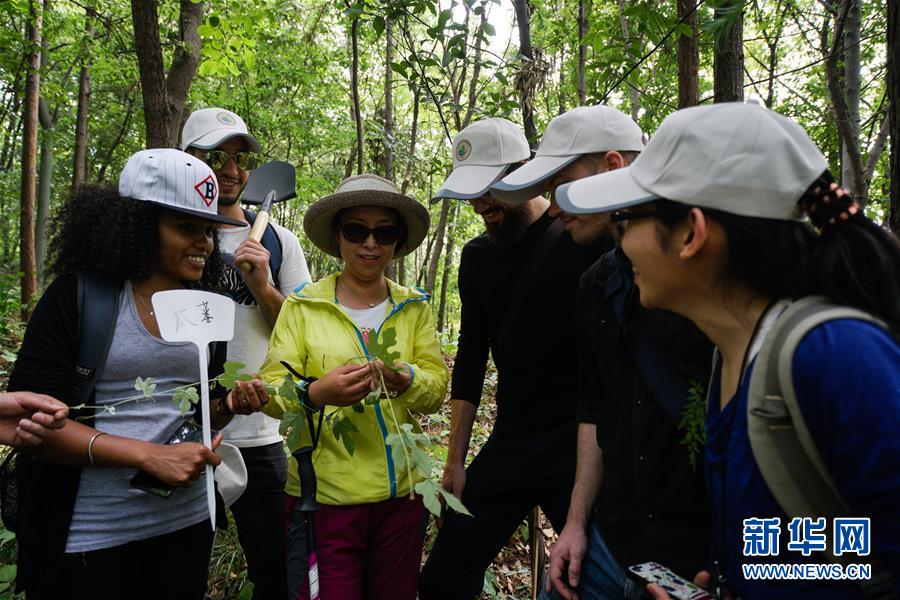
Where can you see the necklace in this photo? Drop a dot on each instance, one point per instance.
(144, 303)
(347, 289)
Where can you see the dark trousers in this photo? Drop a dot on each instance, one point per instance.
(515, 471)
(173, 566)
(260, 522)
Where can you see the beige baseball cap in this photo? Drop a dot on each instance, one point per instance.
(580, 131)
(482, 153)
(734, 157)
(209, 128)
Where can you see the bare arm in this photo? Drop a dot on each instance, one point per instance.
(462, 417)
(571, 547)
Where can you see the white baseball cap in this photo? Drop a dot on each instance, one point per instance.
(175, 180)
(209, 128)
(735, 157)
(580, 131)
(230, 474)
(482, 153)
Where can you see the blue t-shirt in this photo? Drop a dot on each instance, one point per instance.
(847, 379)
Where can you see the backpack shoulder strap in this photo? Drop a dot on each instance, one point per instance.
(782, 445)
(98, 307)
(272, 243)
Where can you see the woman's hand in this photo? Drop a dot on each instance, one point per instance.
(247, 397)
(181, 464)
(27, 418)
(397, 379)
(342, 386)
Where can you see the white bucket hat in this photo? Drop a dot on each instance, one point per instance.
(209, 128)
(175, 180)
(735, 157)
(230, 474)
(580, 131)
(482, 153)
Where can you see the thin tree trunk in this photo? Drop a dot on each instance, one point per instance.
(448, 262)
(728, 59)
(407, 176)
(79, 160)
(388, 100)
(165, 95)
(851, 88)
(526, 93)
(14, 122)
(893, 91)
(634, 95)
(124, 128)
(354, 89)
(29, 157)
(438, 246)
(583, 28)
(688, 57)
(45, 184)
(476, 73)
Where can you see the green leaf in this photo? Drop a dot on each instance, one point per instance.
(231, 373)
(445, 16)
(489, 29)
(288, 388)
(8, 573)
(453, 502)
(342, 429)
(372, 398)
(382, 349)
(214, 20)
(205, 30)
(429, 492)
(378, 24)
(246, 591)
(184, 398)
(145, 386)
(358, 407)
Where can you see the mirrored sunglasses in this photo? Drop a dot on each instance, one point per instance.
(384, 235)
(244, 159)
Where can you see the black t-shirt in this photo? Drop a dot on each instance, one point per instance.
(537, 370)
(653, 505)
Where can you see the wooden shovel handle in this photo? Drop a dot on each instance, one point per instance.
(256, 233)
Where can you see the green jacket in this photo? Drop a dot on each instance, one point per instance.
(314, 336)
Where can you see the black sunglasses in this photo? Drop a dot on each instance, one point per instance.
(244, 159)
(620, 216)
(357, 233)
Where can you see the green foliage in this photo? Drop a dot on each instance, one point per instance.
(693, 421)
(342, 429)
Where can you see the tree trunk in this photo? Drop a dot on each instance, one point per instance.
(526, 92)
(354, 89)
(79, 160)
(29, 157)
(635, 96)
(45, 184)
(688, 57)
(388, 100)
(438, 246)
(893, 91)
(407, 176)
(476, 73)
(124, 128)
(851, 88)
(583, 28)
(165, 95)
(448, 262)
(728, 59)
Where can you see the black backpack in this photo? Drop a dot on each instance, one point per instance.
(272, 243)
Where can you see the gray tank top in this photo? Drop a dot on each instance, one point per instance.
(108, 510)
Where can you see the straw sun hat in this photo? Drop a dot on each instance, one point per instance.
(365, 190)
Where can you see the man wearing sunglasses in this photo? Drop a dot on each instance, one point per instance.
(277, 266)
(636, 496)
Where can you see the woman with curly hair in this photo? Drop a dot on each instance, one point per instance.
(731, 219)
(85, 530)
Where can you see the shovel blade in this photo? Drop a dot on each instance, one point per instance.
(276, 176)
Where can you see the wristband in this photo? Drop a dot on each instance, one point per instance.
(303, 393)
(91, 447)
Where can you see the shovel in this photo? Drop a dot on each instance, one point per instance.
(197, 317)
(273, 182)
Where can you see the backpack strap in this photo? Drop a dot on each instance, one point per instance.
(782, 446)
(98, 307)
(272, 243)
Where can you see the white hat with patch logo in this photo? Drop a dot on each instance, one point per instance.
(175, 180)
(209, 128)
(483, 152)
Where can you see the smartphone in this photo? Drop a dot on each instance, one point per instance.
(189, 431)
(677, 587)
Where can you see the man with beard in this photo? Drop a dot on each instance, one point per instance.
(517, 286)
(636, 368)
(220, 138)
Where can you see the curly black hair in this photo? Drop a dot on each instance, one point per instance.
(100, 232)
